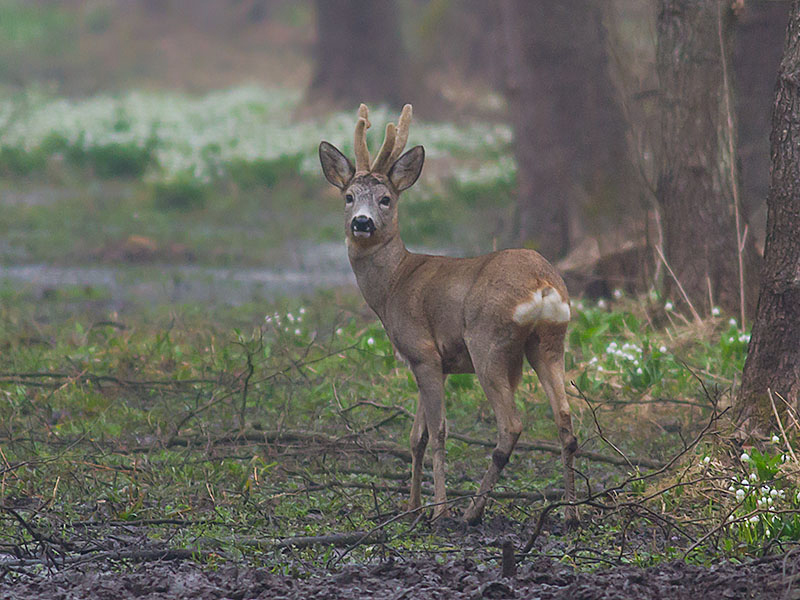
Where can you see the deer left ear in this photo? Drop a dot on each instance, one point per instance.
(338, 170)
(405, 171)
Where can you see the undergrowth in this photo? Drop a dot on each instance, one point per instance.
(228, 433)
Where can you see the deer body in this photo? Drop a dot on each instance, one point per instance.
(448, 315)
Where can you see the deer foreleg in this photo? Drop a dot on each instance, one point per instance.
(419, 440)
(431, 398)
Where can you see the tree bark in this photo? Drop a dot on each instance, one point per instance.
(773, 360)
(757, 51)
(569, 133)
(697, 172)
(358, 54)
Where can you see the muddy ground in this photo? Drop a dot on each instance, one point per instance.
(773, 577)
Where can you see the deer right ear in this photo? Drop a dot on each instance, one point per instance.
(338, 170)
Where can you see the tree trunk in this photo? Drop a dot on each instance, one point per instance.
(758, 46)
(773, 360)
(569, 133)
(358, 54)
(697, 172)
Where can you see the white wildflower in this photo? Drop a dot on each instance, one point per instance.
(297, 332)
(370, 341)
(740, 494)
(601, 303)
(745, 457)
(662, 349)
(715, 311)
(668, 306)
(775, 439)
(707, 459)
(617, 294)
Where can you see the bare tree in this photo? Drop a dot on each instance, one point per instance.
(772, 370)
(703, 229)
(358, 54)
(569, 132)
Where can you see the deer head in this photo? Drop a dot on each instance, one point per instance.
(371, 189)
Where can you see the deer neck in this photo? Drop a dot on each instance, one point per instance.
(376, 269)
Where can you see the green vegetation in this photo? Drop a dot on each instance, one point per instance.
(227, 431)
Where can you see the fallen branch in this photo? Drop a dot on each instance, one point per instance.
(336, 539)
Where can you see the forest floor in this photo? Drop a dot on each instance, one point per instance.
(398, 578)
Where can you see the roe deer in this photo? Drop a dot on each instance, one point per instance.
(452, 315)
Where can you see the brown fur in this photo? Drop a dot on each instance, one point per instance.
(454, 315)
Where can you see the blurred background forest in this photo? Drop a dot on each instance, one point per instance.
(184, 131)
(183, 352)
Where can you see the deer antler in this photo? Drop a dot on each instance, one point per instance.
(360, 142)
(382, 164)
(403, 123)
(393, 143)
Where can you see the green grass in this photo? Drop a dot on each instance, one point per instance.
(246, 425)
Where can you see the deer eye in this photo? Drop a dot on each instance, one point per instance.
(386, 201)
(348, 199)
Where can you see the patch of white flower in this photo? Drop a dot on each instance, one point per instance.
(198, 135)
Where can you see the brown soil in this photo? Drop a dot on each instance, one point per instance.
(772, 577)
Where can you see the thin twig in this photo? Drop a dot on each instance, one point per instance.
(726, 93)
(780, 425)
(680, 287)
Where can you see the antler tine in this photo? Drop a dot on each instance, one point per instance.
(382, 163)
(360, 141)
(403, 123)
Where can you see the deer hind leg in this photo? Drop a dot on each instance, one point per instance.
(430, 381)
(499, 374)
(419, 440)
(545, 352)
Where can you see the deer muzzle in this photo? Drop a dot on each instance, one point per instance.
(362, 226)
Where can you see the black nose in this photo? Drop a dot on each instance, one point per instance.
(363, 224)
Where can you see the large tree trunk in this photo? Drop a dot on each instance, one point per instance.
(569, 133)
(696, 183)
(358, 55)
(773, 360)
(758, 46)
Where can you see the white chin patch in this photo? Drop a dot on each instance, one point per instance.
(545, 305)
(362, 233)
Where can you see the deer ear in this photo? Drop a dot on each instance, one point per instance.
(406, 169)
(338, 170)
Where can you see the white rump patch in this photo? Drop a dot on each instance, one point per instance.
(545, 305)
